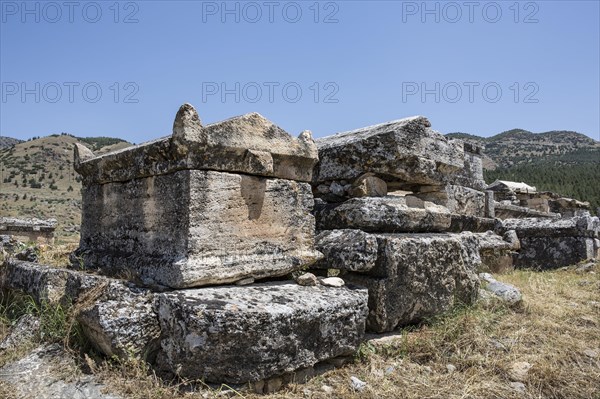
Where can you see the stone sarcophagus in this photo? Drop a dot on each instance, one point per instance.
(208, 205)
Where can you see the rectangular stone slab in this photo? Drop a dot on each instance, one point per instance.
(383, 215)
(546, 253)
(418, 276)
(579, 226)
(236, 334)
(193, 228)
(407, 150)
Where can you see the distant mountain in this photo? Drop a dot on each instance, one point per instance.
(565, 162)
(8, 141)
(37, 178)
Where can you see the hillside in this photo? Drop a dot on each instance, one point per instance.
(8, 141)
(561, 161)
(37, 179)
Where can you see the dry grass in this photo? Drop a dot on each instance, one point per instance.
(557, 324)
(57, 255)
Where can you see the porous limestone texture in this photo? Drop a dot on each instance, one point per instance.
(405, 150)
(471, 175)
(388, 214)
(248, 144)
(196, 228)
(209, 205)
(458, 199)
(117, 317)
(351, 250)
(412, 277)
(237, 334)
(417, 276)
(554, 243)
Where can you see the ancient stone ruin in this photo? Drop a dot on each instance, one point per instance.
(397, 211)
(29, 230)
(520, 200)
(208, 205)
(194, 246)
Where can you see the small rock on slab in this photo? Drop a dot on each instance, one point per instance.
(368, 185)
(333, 282)
(307, 279)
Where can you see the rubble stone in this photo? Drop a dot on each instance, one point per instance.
(368, 185)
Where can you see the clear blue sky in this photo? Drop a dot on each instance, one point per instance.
(356, 63)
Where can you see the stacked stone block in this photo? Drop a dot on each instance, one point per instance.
(212, 206)
(404, 241)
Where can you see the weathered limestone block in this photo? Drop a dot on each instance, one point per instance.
(495, 252)
(246, 144)
(195, 228)
(155, 214)
(237, 334)
(537, 204)
(352, 250)
(476, 224)
(45, 284)
(121, 321)
(388, 214)
(581, 226)
(550, 244)
(117, 318)
(379, 255)
(404, 150)
(568, 207)
(543, 253)
(458, 199)
(471, 175)
(509, 211)
(416, 277)
(32, 229)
